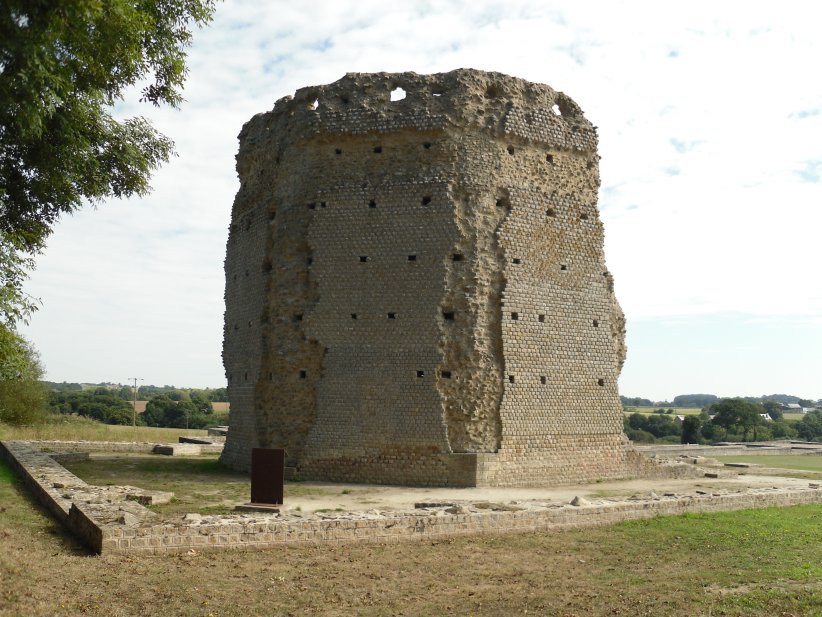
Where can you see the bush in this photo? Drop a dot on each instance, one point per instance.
(23, 397)
(639, 436)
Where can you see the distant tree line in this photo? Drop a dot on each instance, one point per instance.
(704, 400)
(729, 419)
(167, 406)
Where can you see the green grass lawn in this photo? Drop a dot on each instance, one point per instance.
(807, 462)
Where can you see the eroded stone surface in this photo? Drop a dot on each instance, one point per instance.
(416, 290)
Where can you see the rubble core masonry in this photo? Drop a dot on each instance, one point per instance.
(416, 291)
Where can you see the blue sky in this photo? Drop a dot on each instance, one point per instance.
(709, 119)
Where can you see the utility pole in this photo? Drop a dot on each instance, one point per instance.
(134, 408)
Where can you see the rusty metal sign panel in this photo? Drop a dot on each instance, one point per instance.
(267, 469)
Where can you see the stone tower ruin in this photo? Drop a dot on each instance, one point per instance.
(416, 291)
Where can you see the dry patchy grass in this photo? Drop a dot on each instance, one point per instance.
(756, 562)
(71, 428)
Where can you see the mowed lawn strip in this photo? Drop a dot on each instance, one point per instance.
(799, 462)
(754, 562)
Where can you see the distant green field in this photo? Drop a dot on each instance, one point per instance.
(678, 411)
(806, 462)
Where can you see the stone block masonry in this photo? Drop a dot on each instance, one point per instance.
(416, 291)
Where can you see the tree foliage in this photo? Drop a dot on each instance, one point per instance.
(101, 404)
(162, 410)
(22, 395)
(694, 400)
(810, 426)
(63, 66)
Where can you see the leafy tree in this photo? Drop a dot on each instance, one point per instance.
(635, 401)
(101, 404)
(22, 395)
(218, 395)
(738, 414)
(690, 429)
(803, 402)
(63, 66)
(694, 400)
(773, 409)
(810, 426)
(162, 410)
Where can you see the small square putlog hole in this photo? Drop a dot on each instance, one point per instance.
(420, 373)
(448, 315)
(392, 315)
(445, 374)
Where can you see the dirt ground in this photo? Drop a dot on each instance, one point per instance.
(359, 497)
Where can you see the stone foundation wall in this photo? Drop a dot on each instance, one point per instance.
(113, 519)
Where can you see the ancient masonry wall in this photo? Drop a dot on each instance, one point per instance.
(113, 519)
(416, 290)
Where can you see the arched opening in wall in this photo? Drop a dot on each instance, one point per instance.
(314, 105)
(397, 94)
(557, 111)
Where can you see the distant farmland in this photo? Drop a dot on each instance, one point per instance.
(217, 407)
